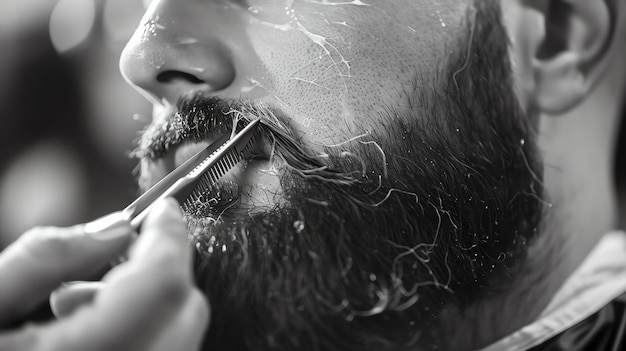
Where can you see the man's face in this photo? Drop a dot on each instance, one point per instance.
(396, 174)
(332, 66)
(327, 63)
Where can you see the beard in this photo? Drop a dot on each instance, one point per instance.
(434, 209)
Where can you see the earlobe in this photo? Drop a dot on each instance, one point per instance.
(570, 55)
(559, 83)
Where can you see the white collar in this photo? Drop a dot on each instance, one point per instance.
(599, 279)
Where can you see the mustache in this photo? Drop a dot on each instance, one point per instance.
(198, 117)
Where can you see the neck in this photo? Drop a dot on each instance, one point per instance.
(577, 149)
(579, 156)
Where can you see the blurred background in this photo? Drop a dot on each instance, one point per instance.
(67, 118)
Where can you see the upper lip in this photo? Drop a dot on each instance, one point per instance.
(196, 119)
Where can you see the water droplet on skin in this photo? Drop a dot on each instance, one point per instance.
(443, 24)
(273, 13)
(151, 27)
(298, 226)
(141, 118)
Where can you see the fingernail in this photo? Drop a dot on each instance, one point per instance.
(109, 227)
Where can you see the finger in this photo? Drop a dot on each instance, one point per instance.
(71, 296)
(24, 339)
(141, 296)
(187, 330)
(184, 332)
(43, 258)
(163, 237)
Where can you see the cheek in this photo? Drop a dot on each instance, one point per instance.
(335, 69)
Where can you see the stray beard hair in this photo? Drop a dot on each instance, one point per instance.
(434, 208)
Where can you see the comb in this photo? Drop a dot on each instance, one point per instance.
(201, 171)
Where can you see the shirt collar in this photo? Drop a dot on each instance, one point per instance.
(599, 279)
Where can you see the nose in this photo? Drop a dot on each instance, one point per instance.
(182, 46)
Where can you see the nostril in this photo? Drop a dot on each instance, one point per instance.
(169, 76)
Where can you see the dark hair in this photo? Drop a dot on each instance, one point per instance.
(435, 209)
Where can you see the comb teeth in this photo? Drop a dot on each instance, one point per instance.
(196, 176)
(214, 173)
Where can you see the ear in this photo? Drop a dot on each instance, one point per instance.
(566, 46)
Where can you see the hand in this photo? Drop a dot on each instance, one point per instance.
(146, 303)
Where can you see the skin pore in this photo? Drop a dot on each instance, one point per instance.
(404, 199)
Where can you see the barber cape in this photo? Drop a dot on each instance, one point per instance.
(588, 313)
